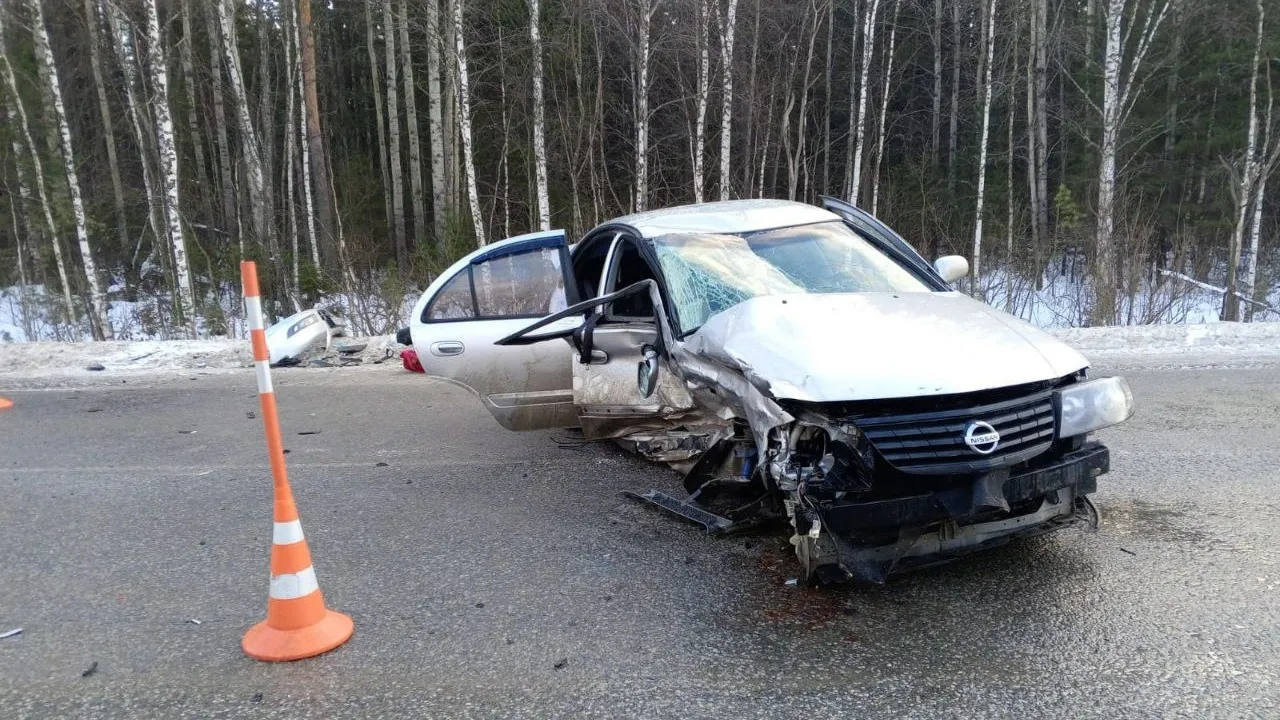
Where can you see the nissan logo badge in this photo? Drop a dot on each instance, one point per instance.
(981, 437)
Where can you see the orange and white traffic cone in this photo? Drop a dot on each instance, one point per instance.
(5, 403)
(298, 624)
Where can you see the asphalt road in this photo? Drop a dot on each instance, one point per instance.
(492, 573)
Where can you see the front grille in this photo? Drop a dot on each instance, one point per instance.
(933, 443)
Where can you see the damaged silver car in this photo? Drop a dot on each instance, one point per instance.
(805, 361)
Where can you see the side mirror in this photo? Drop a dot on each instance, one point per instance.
(647, 372)
(951, 267)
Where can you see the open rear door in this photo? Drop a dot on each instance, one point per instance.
(490, 294)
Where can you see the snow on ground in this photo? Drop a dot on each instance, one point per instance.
(1216, 343)
(70, 360)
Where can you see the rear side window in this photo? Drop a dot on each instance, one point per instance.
(454, 301)
(526, 284)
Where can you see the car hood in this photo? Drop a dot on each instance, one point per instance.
(866, 346)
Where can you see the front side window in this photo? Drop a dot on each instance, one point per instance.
(524, 284)
(708, 274)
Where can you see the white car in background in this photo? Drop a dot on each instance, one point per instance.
(806, 358)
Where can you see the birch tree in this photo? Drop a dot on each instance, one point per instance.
(260, 201)
(728, 22)
(1038, 123)
(539, 118)
(99, 322)
(193, 117)
(416, 190)
(122, 39)
(1120, 89)
(326, 205)
(226, 184)
(104, 112)
(439, 183)
(704, 81)
(464, 123)
(16, 109)
(168, 164)
(1248, 182)
(990, 42)
(885, 94)
(868, 42)
(393, 133)
(308, 195)
(645, 10)
(375, 75)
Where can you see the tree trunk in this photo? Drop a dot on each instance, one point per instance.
(15, 211)
(1248, 179)
(884, 108)
(1012, 99)
(449, 110)
(990, 40)
(416, 185)
(15, 108)
(853, 94)
(953, 136)
(169, 165)
(539, 121)
(193, 110)
(828, 105)
(704, 82)
(262, 218)
(292, 81)
(308, 195)
(104, 111)
(1117, 100)
(645, 12)
(1041, 217)
(802, 125)
(230, 212)
(371, 45)
(125, 47)
(266, 126)
(868, 44)
(99, 322)
(1035, 200)
(464, 122)
(1104, 277)
(728, 22)
(935, 126)
(439, 183)
(393, 135)
(326, 205)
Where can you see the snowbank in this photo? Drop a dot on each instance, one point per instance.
(48, 359)
(1213, 341)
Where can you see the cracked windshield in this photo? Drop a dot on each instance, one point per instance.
(708, 274)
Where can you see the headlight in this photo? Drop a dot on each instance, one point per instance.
(1093, 405)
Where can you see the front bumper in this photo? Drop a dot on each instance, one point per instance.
(871, 539)
(998, 490)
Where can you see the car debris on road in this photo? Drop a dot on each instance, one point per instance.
(805, 359)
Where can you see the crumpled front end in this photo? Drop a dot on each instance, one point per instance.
(877, 486)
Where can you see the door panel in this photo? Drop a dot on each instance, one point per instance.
(607, 394)
(486, 296)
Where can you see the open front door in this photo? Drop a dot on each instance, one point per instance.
(488, 295)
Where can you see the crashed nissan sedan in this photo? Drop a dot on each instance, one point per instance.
(807, 358)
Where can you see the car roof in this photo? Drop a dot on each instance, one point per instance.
(729, 216)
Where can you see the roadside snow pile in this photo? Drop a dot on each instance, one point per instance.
(159, 356)
(1209, 343)
(1219, 340)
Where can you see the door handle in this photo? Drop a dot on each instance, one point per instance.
(446, 348)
